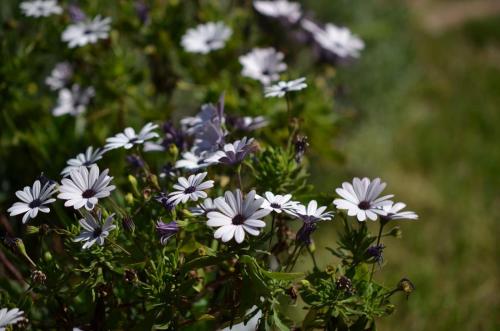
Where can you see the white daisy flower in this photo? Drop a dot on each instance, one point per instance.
(311, 212)
(190, 189)
(361, 199)
(203, 208)
(279, 203)
(191, 161)
(263, 64)
(236, 215)
(34, 199)
(59, 76)
(279, 9)
(394, 212)
(87, 159)
(87, 32)
(85, 187)
(337, 40)
(10, 317)
(206, 37)
(281, 88)
(93, 231)
(74, 101)
(129, 138)
(233, 153)
(40, 8)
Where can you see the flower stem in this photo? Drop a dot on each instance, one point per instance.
(120, 247)
(313, 257)
(272, 231)
(378, 242)
(238, 173)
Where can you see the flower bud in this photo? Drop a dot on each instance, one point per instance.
(129, 198)
(173, 151)
(396, 232)
(30, 229)
(406, 286)
(133, 182)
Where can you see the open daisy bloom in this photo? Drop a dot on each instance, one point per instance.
(190, 189)
(74, 101)
(361, 198)
(85, 188)
(40, 8)
(93, 231)
(10, 317)
(395, 212)
(279, 203)
(206, 37)
(233, 153)
(281, 88)
(128, 138)
(87, 32)
(311, 212)
(279, 9)
(33, 199)
(236, 215)
(263, 64)
(87, 159)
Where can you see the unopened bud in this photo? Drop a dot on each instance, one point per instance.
(173, 150)
(396, 232)
(133, 182)
(129, 198)
(406, 286)
(146, 193)
(30, 229)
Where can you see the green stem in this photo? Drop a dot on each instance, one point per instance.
(238, 173)
(120, 247)
(313, 258)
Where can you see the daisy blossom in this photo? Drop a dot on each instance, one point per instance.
(361, 198)
(279, 203)
(74, 101)
(279, 9)
(263, 64)
(236, 215)
(34, 199)
(206, 37)
(93, 231)
(394, 212)
(233, 153)
(85, 187)
(311, 212)
(87, 159)
(128, 138)
(10, 317)
(59, 76)
(190, 189)
(87, 32)
(281, 88)
(40, 8)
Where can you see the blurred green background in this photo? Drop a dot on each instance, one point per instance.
(425, 97)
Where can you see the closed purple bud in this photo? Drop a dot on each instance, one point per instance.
(166, 230)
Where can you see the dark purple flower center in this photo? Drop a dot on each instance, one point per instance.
(88, 193)
(238, 219)
(97, 232)
(190, 189)
(35, 203)
(275, 205)
(364, 205)
(133, 140)
(87, 163)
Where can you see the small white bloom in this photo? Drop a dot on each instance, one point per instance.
(337, 40)
(279, 203)
(59, 76)
(34, 199)
(236, 215)
(87, 32)
(281, 8)
(74, 101)
(263, 64)
(191, 161)
(206, 37)
(190, 189)
(40, 8)
(279, 90)
(233, 153)
(311, 212)
(85, 187)
(10, 317)
(93, 231)
(361, 199)
(87, 159)
(394, 212)
(129, 138)
(203, 208)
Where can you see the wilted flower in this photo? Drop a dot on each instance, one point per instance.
(74, 101)
(301, 146)
(85, 187)
(394, 212)
(190, 189)
(33, 199)
(129, 138)
(234, 153)
(263, 64)
(337, 40)
(206, 37)
(361, 199)
(93, 230)
(166, 230)
(406, 286)
(88, 32)
(40, 8)
(87, 159)
(203, 208)
(236, 215)
(38, 276)
(59, 76)
(375, 252)
(345, 284)
(10, 317)
(278, 203)
(281, 88)
(305, 232)
(279, 9)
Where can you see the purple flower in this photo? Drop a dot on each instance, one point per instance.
(234, 153)
(135, 161)
(375, 252)
(163, 199)
(166, 230)
(304, 233)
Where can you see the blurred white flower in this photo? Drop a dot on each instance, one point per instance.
(337, 40)
(87, 32)
(87, 159)
(281, 88)
(40, 8)
(191, 188)
(279, 9)
(74, 101)
(394, 212)
(206, 37)
(59, 76)
(93, 231)
(10, 317)
(236, 215)
(361, 199)
(128, 138)
(191, 161)
(34, 199)
(85, 187)
(263, 64)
